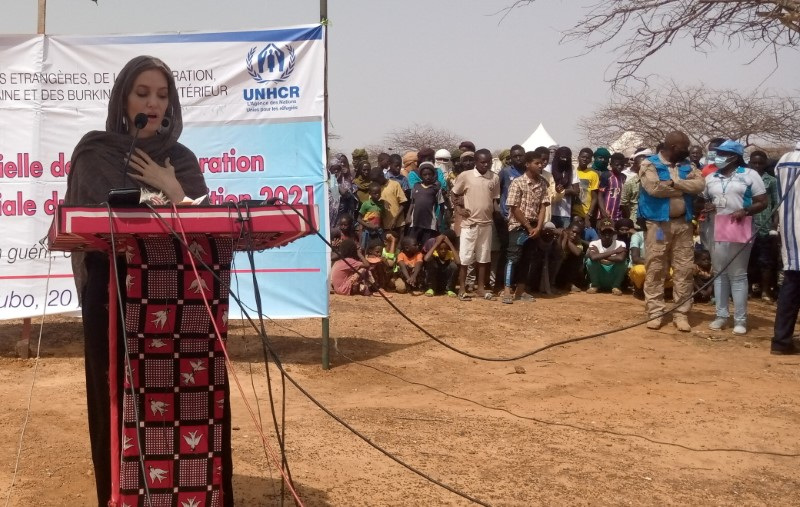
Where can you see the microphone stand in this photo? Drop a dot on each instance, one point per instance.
(128, 196)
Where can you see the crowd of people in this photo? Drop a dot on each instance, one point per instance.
(666, 219)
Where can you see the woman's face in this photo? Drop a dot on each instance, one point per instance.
(149, 95)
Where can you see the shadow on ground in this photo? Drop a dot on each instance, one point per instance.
(265, 491)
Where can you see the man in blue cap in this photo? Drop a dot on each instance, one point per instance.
(670, 183)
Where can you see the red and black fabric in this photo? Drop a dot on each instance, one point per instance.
(175, 413)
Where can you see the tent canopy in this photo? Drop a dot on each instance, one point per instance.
(540, 137)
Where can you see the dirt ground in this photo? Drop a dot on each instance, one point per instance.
(635, 418)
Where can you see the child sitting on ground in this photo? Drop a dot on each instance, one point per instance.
(376, 266)
(369, 216)
(441, 264)
(703, 273)
(389, 257)
(350, 275)
(637, 272)
(606, 260)
(345, 230)
(410, 263)
(571, 274)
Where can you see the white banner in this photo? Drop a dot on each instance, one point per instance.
(253, 114)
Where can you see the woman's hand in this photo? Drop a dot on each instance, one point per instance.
(156, 176)
(738, 215)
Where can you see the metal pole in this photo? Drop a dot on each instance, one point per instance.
(24, 344)
(326, 322)
(42, 15)
(326, 333)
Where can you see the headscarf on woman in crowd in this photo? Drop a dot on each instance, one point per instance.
(561, 167)
(409, 163)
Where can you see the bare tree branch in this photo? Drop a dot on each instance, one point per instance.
(417, 136)
(644, 27)
(757, 118)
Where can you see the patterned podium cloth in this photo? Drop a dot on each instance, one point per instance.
(179, 418)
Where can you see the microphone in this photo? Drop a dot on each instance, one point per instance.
(128, 196)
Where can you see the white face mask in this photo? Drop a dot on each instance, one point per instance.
(721, 161)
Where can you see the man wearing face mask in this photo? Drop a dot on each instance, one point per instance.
(443, 162)
(669, 184)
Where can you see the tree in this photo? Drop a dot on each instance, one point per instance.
(754, 118)
(644, 27)
(417, 136)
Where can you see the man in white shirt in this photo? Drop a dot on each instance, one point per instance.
(788, 171)
(606, 260)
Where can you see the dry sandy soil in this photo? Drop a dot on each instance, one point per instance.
(635, 418)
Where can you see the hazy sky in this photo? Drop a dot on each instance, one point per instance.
(448, 63)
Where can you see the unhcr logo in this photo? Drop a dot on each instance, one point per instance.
(272, 65)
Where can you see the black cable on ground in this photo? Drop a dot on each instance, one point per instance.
(310, 397)
(280, 433)
(568, 425)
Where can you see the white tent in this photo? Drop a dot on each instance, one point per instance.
(540, 137)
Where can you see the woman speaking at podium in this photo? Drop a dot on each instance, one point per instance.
(142, 128)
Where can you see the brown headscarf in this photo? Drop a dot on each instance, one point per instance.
(97, 161)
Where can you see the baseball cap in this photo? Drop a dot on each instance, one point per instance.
(549, 225)
(730, 146)
(606, 224)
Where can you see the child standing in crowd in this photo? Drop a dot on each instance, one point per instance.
(361, 180)
(611, 187)
(586, 206)
(410, 263)
(527, 202)
(441, 265)
(606, 260)
(567, 187)
(395, 173)
(703, 272)
(766, 246)
(479, 191)
(370, 216)
(630, 190)
(426, 199)
(350, 274)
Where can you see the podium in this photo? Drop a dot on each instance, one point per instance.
(167, 437)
